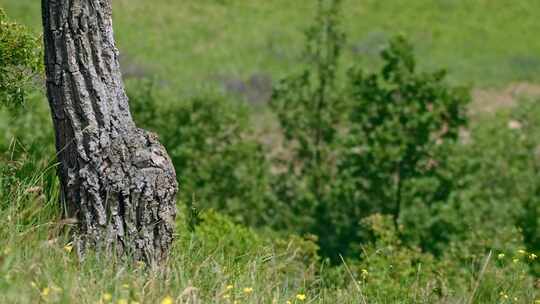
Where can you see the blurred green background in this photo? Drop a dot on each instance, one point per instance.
(196, 43)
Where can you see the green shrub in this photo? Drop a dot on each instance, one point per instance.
(21, 68)
(220, 234)
(528, 217)
(403, 125)
(496, 205)
(27, 129)
(219, 164)
(21, 60)
(309, 107)
(388, 156)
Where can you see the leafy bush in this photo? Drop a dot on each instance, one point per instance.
(496, 205)
(389, 155)
(18, 125)
(218, 162)
(309, 107)
(21, 66)
(220, 233)
(403, 124)
(20, 60)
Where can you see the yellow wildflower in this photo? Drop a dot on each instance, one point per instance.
(68, 248)
(521, 251)
(364, 273)
(515, 260)
(229, 287)
(122, 301)
(167, 300)
(248, 290)
(45, 292)
(288, 302)
(106, 297)
(301, 297)
(537, 302)
(500, 256)
(533, 256)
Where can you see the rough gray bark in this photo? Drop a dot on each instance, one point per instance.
(117, 180)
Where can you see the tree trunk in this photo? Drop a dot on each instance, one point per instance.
(117, 180)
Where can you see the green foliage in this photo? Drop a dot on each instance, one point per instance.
(403, 124)
(496, 204)
(309, 107)
(18, 135)
(408, 275)
(526, 166)
(389, 155)
(218, 162)
(221, 233)
(238, 242)
(20, 61)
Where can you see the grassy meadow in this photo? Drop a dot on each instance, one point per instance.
(193, 44)
(201, 73)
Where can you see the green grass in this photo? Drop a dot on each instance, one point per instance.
(225, 263)
(193, 44)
